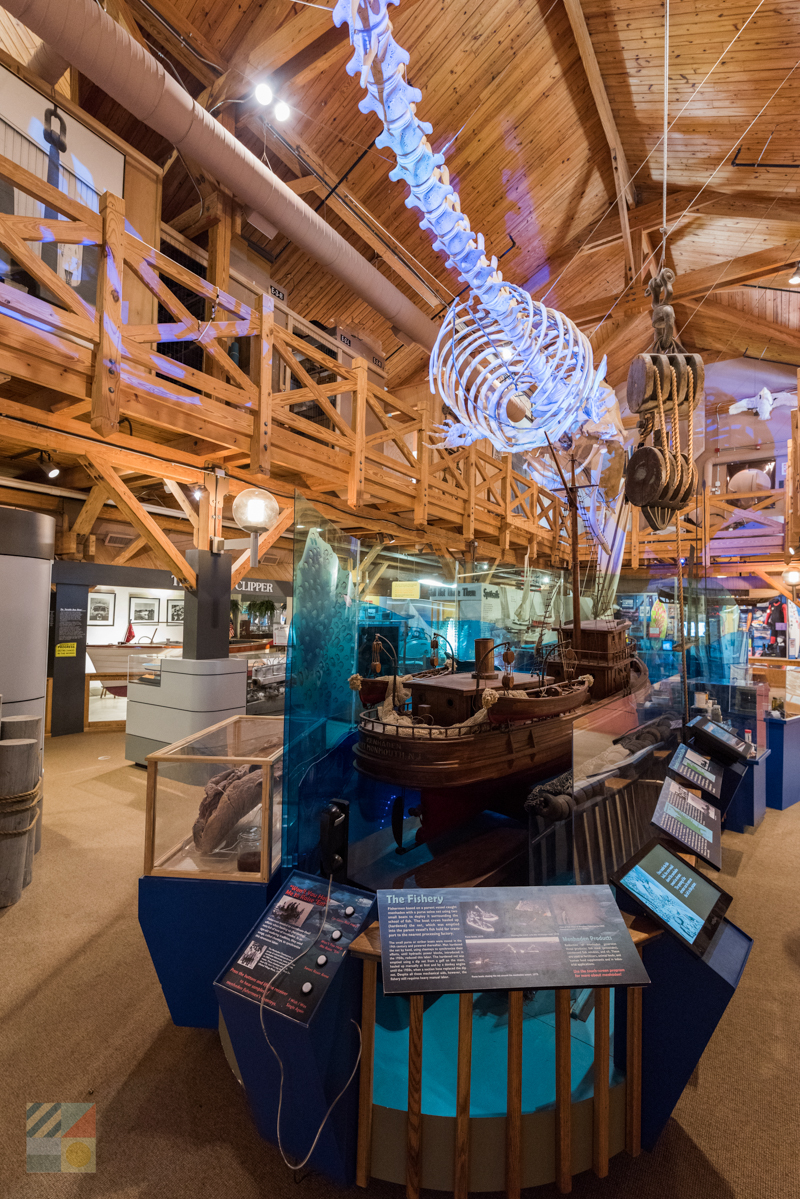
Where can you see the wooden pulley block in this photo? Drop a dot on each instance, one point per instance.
(679, 365)
(678, 481)
(657, 518)
(641, 385)
(695, 364)
(673, 469)
(646, 476)
(508, 656)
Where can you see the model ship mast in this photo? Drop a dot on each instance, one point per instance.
(572, 500)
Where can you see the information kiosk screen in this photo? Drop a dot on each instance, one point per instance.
(698, 769)
(715, 738)
(678, 897)
(690, 821)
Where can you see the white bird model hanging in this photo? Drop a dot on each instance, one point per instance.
(511, 369)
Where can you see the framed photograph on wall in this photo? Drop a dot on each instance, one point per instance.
(101, 607)
(143, 609)
(175, 611)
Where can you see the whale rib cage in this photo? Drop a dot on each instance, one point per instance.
(511, 369)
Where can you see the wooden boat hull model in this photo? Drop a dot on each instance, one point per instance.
(462, 770)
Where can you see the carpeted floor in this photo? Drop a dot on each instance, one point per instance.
(82, 1019)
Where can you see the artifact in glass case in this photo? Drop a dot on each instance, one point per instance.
(214, 800)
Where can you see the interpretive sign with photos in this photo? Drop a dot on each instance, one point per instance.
(505, 938)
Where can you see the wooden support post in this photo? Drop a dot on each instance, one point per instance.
(633, 1074)
(364, 1148)
(106, 382)
(634, 538)
(563, 1093)
(414, 1120)
(424, 460)
(463, 1091)
(355, 483)
(469, 468)
(150, 817)
(261, 364)
(601, 1064)
(514, 1097)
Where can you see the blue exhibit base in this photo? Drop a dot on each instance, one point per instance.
(318, 1058)
(783, 767)
(191, 927)
(749, 802)
(681, 1009)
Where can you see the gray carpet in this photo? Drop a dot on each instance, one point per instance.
(83, 1020)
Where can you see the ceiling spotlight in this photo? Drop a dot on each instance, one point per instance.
(506, 353)
(794, 278)
(791, 576)
(199, 492)
(791, 551)
(263, 93)
(283, 112)
(48, 466)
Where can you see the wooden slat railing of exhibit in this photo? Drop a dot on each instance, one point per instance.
(368, 948)
(369, 452)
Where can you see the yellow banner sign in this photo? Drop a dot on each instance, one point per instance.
(67, 649)
(405, 590)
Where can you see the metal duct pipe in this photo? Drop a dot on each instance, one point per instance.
(103, 51)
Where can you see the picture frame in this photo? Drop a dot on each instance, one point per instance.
(102, 605)
(175, 611)
(143, 609)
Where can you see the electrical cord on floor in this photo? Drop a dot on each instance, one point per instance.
(299, 1165)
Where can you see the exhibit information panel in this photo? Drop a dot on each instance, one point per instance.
(679, 897)
(501, 938)
(694, 823)
(716, 739)
(698, 769)
(291, 926)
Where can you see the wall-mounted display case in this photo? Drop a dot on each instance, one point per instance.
(214, 802)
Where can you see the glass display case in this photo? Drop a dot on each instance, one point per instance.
(266, 684)
(144, 668)
(214, 802)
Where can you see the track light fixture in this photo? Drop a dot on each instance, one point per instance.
(47, 465)
(263, 94)
(794, 278)
(283, 112)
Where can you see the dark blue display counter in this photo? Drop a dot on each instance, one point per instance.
(783, 768)
(750, 800)
(192, 927)
(681, 1008)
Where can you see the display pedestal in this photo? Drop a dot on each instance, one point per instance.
(783, 768)
(191, 927)
(191, 695)
(750, 800)
(680, 1011)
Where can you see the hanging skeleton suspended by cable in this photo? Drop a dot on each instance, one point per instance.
(512, 370)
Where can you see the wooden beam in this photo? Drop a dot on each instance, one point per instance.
(104, 474)
(265, 542)
(176, 491)
(300, 187)
(107, 371)
(130, 550)
(721, 327)
(720, 276)
(268, 54)
(590, 65)
(197, 219)
(90, 511)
